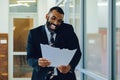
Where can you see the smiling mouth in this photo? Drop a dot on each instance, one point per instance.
(53, 27)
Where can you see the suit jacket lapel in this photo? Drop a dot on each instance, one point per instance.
(44, 38)
(59, 40)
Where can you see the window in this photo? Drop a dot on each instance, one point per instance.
(96, 59)
(118, 38)
(23, 6)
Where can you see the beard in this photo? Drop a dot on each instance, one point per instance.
(51, 27)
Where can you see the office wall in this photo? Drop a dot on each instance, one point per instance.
(4, 16)
(43, 8)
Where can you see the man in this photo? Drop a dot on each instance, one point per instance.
(65, 38)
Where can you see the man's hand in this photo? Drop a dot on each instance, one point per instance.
(64, 69)
(43, 62)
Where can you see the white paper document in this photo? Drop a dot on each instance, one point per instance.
(57, 56)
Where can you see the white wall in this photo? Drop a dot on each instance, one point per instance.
(50, 4)
(4, 9)
(43, 8)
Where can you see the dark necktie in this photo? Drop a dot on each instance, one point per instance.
(52, 38)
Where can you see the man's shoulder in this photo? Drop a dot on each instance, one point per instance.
(67, 26)
(37, 28)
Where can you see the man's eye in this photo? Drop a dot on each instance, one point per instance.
(59, 21)
(53, 18)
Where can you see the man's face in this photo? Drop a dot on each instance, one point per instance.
(54, 20)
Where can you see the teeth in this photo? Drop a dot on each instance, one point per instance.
(53, 26)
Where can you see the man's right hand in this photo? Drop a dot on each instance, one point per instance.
(43, 62)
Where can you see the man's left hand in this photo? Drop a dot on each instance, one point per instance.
(64, 69)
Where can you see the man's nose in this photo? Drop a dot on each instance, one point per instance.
(56, 22)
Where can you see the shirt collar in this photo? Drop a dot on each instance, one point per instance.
(48, 34)
(47, 31)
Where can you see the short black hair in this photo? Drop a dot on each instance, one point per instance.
(58, 9)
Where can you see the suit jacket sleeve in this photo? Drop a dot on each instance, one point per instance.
(32, 52)
(73, 43)
(76, 58)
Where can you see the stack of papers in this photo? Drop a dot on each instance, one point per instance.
(57, 56)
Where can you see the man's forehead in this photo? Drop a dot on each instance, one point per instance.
(56, 14)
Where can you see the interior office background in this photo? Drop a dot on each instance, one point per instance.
(96, 23)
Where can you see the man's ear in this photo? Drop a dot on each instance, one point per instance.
(47, 15)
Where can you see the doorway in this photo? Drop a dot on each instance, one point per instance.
(20, 24)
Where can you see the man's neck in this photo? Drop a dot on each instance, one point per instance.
(50, 30)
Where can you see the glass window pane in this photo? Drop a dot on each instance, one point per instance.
(77, 6)
(118, 37)
(21, 29)
(77, 17)
(71, 12)
(96, 37)
(21, 68)
(74, 15)
(62, 5)
(88, 78)
(23, 5)
(118, 52)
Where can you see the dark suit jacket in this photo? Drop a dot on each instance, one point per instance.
(65, 38)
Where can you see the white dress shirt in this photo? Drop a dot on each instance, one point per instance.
(49, 35)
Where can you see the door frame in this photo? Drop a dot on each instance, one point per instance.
(11, 53)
